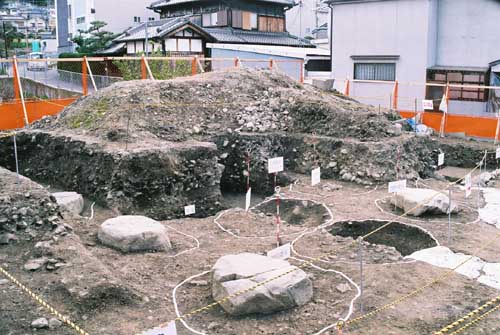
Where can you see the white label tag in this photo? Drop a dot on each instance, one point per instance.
(283, 252)
(441, 159)
(428, 104)
(275, 165)
(468, 185)
(248, 199)
(497, 156)
(190, 210)
(397, 186)
(171, 329)
(315, 176)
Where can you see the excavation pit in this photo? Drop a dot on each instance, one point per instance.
(296, 212)
(404, 238)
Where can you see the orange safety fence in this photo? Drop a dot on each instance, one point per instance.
(11, 113)
(475, 126)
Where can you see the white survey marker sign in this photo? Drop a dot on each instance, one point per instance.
(468, 185)
(190, 210)
(427, 105)
(315, 176)
(170, 329)
(397, 186)
(497, 156)
(275, 165)
(441, 159)
(283, 252)
(248, 199)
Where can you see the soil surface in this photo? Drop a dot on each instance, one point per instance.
(142, 295)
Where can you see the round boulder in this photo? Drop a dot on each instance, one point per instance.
(134, 233)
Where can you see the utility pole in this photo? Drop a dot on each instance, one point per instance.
(146, 47)
(5, 40)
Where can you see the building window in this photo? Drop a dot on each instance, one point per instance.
(92, 10)
(69, 11)
(137, 19)
(217, 19)
(244, 20)
(271, 24)
(80, 20)
(443, 76)
(375, 71)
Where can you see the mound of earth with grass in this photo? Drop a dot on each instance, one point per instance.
(152, 147)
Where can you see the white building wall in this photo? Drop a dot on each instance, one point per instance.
(468, 33)
(119, 14)
(383, 28)
(302, 19)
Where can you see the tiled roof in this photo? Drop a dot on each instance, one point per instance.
(165, 3)
(155, 29)
(230, 35)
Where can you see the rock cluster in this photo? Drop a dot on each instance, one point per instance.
(25, 208)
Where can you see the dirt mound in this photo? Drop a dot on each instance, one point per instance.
(235, 100)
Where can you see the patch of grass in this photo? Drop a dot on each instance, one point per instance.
(90, 117)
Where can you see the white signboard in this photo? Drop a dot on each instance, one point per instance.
(275, 165)
(441, 159)
(283, 252)
(315, 176)
(189, 210)
(248, 199)
(428, 105)
(468, 185)
(397, 186)
(171, 329)
(497, 156)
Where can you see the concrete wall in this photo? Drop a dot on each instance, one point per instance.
(32, 88)
(468, 33)
(383, 28)
(290, 68)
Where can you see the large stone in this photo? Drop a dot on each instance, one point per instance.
(419, 201)
(71, 201)
(234, 273)
(134, 233)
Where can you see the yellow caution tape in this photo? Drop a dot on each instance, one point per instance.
(39, 300)
(448, 328)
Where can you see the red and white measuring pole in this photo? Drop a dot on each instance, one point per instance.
(278, 216)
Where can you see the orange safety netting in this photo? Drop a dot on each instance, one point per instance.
(470, 125)
(12, 114)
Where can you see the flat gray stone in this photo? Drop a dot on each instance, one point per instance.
(433, 202)
(234, 273)
(71, 201)
(40, 323)
(134, 233)
(54, 323)
(35, 264)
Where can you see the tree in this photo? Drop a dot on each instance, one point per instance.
(9, 33)
(94, 39)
